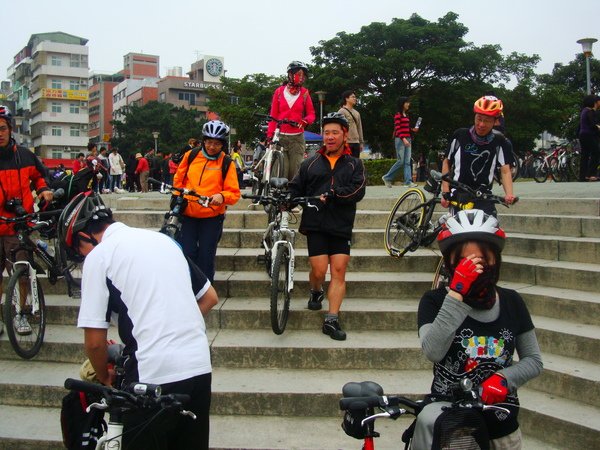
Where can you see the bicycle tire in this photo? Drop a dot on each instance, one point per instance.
(558, 171)
(540, 170)
(277, 165)
(515, 169)
(26, 346)
(574, 162)
(397, 241)
(440, 278)
(280, 295)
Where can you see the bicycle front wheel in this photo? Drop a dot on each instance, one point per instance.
(277, 168)
(440, 279)
(403, 223)
(557, 172)
(280, 294)
(540, 169)
(25, 319)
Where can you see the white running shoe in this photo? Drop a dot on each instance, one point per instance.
(386, 182)
(21, 325)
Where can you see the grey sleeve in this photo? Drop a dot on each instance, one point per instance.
(436, 337)
(530, 363)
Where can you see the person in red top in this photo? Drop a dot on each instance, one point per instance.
(292, 101)
(20, 170)
(79, 163)
(402, 140)
(142, 171)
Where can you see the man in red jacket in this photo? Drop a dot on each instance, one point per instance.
(19, 170)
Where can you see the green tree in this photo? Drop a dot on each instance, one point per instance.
(429, 61)
(175, 124)
(238, 100)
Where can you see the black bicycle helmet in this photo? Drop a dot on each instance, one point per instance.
(83, 209)
(471, 225)
(336, 117)
(295, 66)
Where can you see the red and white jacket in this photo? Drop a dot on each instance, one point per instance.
(301, 111)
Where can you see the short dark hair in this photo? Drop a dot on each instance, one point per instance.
(590, 100)
(102, 149)
(91, 145)
(79, 155)
(345, 95)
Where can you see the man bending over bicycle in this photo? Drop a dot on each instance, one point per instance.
(19, 171)
(475, 152)
(340, 179)
(142, 278)
(473, 329)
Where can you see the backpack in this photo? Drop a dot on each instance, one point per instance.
(80, 429)
(224, 168)
(72, 185)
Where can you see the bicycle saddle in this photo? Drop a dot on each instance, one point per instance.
(362, 389)
(278, 183)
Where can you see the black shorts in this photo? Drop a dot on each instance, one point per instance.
(327, 244)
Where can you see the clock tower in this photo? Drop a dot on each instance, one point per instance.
(213, 68)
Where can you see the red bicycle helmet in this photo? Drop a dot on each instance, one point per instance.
(488, 106)
(471, 225)
(6, 114)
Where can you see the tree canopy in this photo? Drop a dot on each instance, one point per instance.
(175, 124)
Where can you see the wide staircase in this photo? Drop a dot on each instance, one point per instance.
(281, 392)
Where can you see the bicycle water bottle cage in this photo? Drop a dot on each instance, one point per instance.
(278, 183)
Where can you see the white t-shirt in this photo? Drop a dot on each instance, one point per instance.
(142, 278)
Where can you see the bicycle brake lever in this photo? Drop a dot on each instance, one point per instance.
(495, 408)
(188, 413)
(102, 406)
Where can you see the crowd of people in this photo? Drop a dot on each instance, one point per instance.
(124, 269)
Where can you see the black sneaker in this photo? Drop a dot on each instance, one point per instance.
(333, 329)
(315, 301)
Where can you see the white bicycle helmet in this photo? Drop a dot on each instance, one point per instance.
(471, 225)
(215, 129)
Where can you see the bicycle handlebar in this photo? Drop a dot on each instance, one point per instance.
(476, 194)
(279, 200)
(202, 199)
(278, 121)
(141, 395)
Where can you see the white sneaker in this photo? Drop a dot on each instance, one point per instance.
(106, 191)
(21, 325)
(411, 185)
(387, 183)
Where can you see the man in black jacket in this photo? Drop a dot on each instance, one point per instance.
(339, 178)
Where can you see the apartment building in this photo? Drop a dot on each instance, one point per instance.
(101, 106)
(49, 78)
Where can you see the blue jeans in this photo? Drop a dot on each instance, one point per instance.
(199, 240)
(403, 155)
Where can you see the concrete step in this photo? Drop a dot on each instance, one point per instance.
(567, 304)
(558, 421)
(576, 225)
(570, 339)
(550, 273)
(227, 432)
(560, 248)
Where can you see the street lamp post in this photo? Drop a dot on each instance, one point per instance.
(321, 95)
(155, 135)
(586, 45)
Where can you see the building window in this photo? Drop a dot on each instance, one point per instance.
(162, 97)
(56, 154)
(189, 97)
(56, 107)
(56, 84)
(74, 155)
(74, 85)
(56, 61)
(74, 131)
(74, 108)
(56, 130)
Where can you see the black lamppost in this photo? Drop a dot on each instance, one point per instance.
(321, 95)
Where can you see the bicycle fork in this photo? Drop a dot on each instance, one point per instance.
(291, 262)
(33, 285)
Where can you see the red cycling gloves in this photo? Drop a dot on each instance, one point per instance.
(464, 276)
(494, 389)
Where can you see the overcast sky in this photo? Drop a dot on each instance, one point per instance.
(265, 35)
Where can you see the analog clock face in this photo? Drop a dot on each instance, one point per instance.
(214, 67)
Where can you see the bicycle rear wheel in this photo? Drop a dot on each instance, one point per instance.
(574, 162)
(403, 223)
(540, 170)
(557, 172)
(280, 295)
(26, 344)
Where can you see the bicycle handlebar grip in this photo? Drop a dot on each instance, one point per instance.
(85, 386)
(180, 398)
